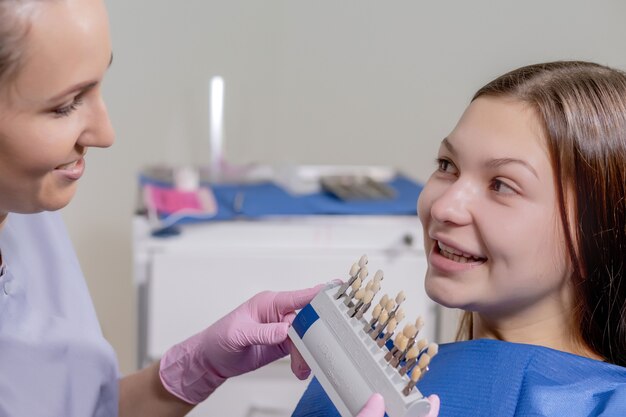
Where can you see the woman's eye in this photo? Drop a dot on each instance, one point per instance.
(444, 165)
(501, 187)
(67, 110)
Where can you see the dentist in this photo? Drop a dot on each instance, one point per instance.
(54, 360)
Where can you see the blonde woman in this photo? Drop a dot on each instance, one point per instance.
(53, 358)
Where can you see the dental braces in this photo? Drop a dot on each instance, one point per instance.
(353, 357)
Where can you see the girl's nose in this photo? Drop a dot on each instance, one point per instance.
(453, 204)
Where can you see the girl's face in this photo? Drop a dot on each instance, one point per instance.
(491, 223)
(53, 110)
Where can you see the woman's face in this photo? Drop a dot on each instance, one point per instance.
(491, 223)
(53, 110)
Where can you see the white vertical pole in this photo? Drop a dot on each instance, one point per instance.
(216, 120)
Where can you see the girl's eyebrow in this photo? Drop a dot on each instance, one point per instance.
(445, 142)
(497, 162)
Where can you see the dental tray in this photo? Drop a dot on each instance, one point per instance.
(355, 187)
(352, 357)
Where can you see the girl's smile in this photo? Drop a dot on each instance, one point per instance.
(449, 259)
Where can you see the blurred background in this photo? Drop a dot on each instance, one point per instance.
(306, 82)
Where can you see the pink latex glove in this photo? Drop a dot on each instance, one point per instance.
(252, 335)
(375, 407)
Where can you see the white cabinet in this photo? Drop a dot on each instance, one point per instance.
(188, 281)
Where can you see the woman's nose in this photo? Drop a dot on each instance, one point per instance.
(99, 131)
(453, 204)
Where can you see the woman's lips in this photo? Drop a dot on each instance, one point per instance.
(72, 170)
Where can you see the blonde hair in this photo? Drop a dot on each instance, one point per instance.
(14, 27)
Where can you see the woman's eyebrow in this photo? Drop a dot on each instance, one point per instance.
(82, 87)
(496, 163)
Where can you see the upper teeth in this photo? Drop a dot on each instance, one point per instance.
(452, 251)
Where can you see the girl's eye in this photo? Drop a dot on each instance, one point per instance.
(67, 110)
(501, 187)
(444, 165)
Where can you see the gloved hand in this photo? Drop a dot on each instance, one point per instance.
(375, 407)
(252, 335)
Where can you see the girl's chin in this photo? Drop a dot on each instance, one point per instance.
(444, 294)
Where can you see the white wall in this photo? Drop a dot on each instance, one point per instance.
(328, 82)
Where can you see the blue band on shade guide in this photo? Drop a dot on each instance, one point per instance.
(305, 319)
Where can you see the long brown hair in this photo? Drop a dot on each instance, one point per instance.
(582, 107)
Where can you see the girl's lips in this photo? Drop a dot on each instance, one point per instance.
(448, 262)
(72, 171)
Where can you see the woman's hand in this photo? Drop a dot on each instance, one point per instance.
(375, 407)
(252, 335)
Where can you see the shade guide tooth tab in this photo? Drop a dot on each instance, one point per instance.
(353, 274)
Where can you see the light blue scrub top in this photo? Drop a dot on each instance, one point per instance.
(54, 360)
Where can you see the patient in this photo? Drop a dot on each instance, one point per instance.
(524, 226)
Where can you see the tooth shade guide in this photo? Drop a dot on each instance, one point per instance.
(363, 261)
(380, 317)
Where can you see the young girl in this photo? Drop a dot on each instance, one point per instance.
(524, 226)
